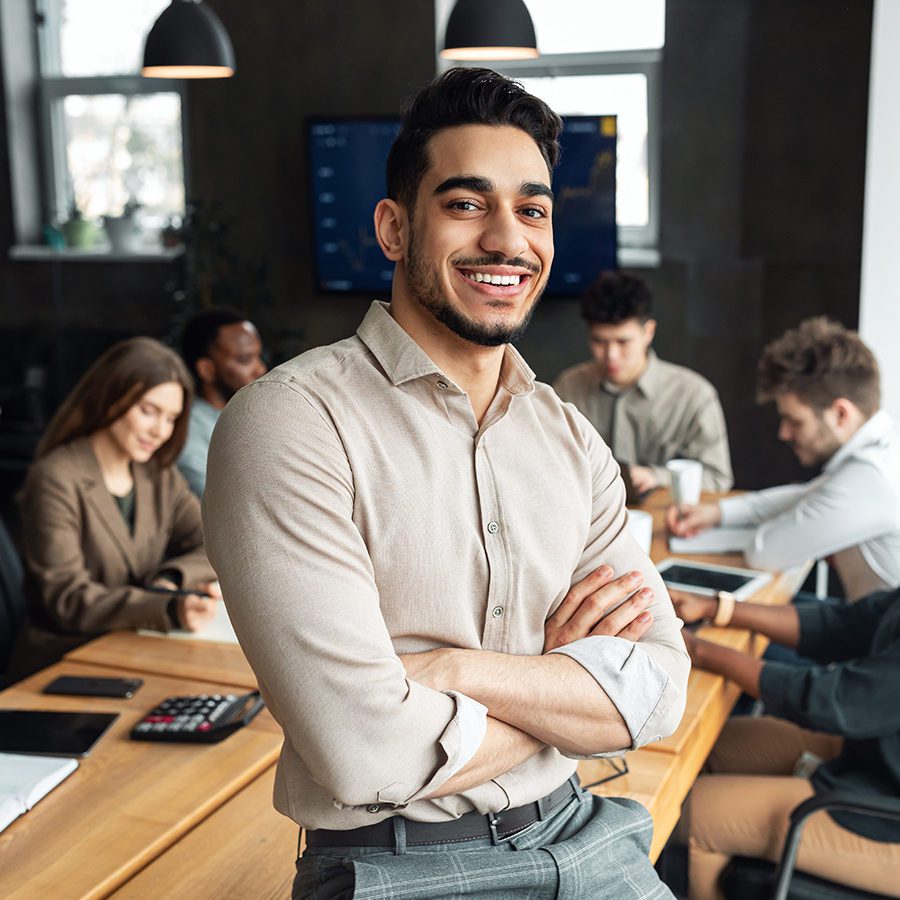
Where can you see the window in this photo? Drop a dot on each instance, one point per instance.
(109, 137)
(602, 57)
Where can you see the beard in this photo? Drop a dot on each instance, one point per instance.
(423, 281)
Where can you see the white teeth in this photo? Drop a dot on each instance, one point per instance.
(494, 279)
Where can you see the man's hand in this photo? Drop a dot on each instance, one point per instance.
(585, 610)
(692, 607)
(643, 479)
(199, 609)
(686, 521)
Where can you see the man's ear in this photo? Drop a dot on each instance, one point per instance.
(391, 229)
(843, 411)
(206, 369)
(650, 330)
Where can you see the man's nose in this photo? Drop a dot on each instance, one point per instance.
(503, 234)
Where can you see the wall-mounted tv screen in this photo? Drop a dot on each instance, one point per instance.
(347, 173)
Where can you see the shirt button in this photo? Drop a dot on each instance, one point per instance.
(497, 611)
(443, 385)
(493, 527)
(373, 808)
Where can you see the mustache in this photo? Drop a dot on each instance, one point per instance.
(496, 260)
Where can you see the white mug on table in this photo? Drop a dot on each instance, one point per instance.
(687, 479)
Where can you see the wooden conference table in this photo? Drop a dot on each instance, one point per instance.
(165, 820)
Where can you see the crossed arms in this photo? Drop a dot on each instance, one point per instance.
(363, 723)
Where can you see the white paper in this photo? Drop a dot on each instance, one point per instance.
(714, 540)
(218, 630)
(26, 779)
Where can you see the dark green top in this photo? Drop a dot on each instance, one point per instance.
(126, 507)
(854, 693)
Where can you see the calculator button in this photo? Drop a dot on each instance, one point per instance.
(204, 726)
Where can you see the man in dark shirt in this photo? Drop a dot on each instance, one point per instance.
(831, 726)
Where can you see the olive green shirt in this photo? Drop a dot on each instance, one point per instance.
(670, 412)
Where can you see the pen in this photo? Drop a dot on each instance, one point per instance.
(174, 592)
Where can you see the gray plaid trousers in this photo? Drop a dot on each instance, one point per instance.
(592, 848)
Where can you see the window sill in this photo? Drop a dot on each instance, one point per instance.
(638, 257)
(42, 253)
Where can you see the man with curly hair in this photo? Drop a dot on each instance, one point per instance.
(824, 381)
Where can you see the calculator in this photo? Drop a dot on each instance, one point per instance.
(202, 718)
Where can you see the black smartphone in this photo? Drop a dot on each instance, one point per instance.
(79, 686)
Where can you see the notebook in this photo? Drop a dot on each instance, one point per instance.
(26, 779)
(724, 539)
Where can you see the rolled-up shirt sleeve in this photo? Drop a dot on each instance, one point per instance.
(301, 593)
(631, 680)
(647, 680)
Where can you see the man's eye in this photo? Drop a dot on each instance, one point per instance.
(464, 205)
(534, 212)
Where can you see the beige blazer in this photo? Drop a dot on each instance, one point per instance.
(84, 570)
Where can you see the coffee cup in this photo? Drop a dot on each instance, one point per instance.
(640, 524)
(687, 479)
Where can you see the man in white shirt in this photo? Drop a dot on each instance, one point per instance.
(223, 351)
(825, 383)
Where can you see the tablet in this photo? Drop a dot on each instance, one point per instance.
(708, 578)
(52, 733)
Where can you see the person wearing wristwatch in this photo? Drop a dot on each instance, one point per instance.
(831, 726)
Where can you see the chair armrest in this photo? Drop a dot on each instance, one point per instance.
(880, 807)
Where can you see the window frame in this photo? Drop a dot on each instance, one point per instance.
(53, 88)
(614, 62)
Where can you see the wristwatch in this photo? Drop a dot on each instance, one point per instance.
(725, 601)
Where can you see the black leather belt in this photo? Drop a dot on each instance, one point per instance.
(496, 826)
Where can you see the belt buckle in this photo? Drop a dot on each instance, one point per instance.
(493, 822)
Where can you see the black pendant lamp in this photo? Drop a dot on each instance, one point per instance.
(490, 29)
(188, 40)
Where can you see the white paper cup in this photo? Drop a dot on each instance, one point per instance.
(687, 478)
(640, 524)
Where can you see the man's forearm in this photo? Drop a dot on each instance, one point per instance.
(740, 668)
(550, 697)
(778, 623)
(504, 747)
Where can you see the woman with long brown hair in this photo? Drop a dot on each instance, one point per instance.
(107, 518)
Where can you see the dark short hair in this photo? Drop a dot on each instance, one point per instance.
(465, 96)
(202, 330)
(111, 386)
(616, 297)
(820, 361)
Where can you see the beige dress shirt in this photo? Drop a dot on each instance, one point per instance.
(669, 413)
(356, 510)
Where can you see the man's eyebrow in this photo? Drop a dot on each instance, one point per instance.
(479, 185)
(467, 182)
(536, 189)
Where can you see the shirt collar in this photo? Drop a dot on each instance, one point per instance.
(404, 360)
(872, 431)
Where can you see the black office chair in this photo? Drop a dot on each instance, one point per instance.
(757, 879)
(12, 597)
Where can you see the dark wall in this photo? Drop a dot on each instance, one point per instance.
(763, 153)
(764, 106)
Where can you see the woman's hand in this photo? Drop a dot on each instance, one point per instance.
(197, 610)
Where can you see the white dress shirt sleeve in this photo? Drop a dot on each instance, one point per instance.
(835, 511)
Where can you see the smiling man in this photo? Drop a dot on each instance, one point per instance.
(824, 381)
(424, 554)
